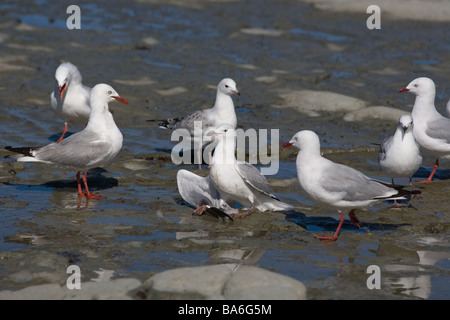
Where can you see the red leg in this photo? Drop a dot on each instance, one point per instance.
(335, 236)
(199, 211)
(243, 215)
(64, 132)
(436, 165)
(80, 192)
(88, 194)
(354, 219)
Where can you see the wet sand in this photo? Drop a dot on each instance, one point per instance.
(166, 59)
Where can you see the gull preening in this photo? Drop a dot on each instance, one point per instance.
(431, 129)
(239, 181)
(399, 154)
(95, 146)
(70, 99)
(201, 193)
(337, 185)
(222, 112)
(229, 182)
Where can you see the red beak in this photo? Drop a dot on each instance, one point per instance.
(62, 90)
(120, 99)
(287, 144)
(403, 90)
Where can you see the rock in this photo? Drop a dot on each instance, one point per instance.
(104, 290)
(437, 10)
(40, 292)
(200, 282)
(223, 281)
(172, 91)
(91, 290)
(255, 283)
(262, 32)
(311, 102)
(377, 112)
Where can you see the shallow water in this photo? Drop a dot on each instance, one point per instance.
(146, 48)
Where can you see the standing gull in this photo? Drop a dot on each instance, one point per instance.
(399, 154)
(431, 129)
(222, 112)
(239, 181)
(335, 184)
(70, 99)
(95, 146)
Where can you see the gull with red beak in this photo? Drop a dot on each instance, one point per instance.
(431, 129)
(337, 185)
(95, 146)
(70, 99)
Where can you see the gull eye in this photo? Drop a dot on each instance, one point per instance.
(416, 85)
(227, 86)
(109, 92)
(226, 130)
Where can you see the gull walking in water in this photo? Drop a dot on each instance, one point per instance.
(95, 146)
(399, 154)
(431, 129)
(222, 112)
(335, 184)
(70, 99)
(239, 181)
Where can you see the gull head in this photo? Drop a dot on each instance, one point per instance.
(420, 86)
(305, 139)
(405, 124)
(66, 73)
(228, 87)
(105, 93)
(223, 130)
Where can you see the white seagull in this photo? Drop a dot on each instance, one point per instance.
(95, 146)
(222, 112)
(70, 99)
(431, 129)
(399, 154)
(335, 184)
(201, 193)
(239, 181)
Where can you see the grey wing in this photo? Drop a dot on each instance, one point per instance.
(352, 184)
(439, 129)
(189, 121)
(80, 150)
(254, 178)
(197, 190)
(383, 147)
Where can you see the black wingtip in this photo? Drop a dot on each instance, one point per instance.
(26, 151)
(401, 192)
(217, 213)
(214, 212)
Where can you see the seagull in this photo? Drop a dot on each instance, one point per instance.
(431, 129)
(201, 193)
(335, 184)
(70, 99)
(95, 146)
(222, 112)
(239, 181)
(399, 154)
